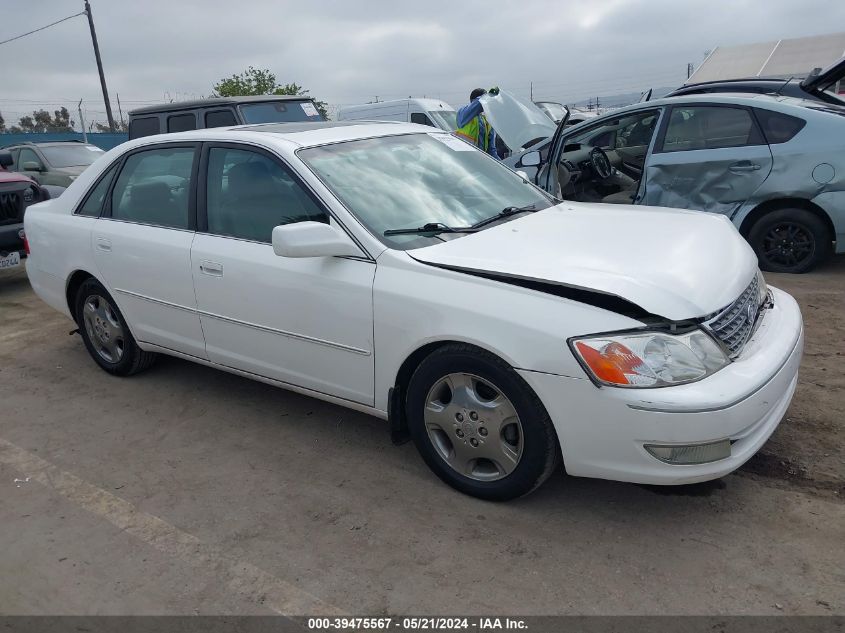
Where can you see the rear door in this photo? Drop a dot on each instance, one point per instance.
(710, 157)
(142, 245)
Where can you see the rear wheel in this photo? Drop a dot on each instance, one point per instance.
(105, 333)
(790, 241)
(478, 425)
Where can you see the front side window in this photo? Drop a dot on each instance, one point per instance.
(422, 119)
(28, 156)
(153, 187)
(249, 194)
(709, 127)
(220, 118)
(408, 181)
(625, 131)
(93, 204)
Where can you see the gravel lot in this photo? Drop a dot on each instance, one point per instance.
(187, 490)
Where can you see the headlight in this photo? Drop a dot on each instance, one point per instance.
(762, 288)
(649, 359)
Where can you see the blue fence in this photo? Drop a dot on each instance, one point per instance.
(103, 140)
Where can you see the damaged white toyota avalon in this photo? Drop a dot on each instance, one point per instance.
(401, 272)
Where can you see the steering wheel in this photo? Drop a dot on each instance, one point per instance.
(601, 163)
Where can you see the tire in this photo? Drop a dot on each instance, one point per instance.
(790, 241)
(105, 333)
(460, 405)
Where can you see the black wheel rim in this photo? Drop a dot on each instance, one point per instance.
(787, 244)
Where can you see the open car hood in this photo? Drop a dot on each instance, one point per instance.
(519, 122)
(826, 78)
(674, 264)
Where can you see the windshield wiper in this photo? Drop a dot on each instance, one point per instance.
(432, 227)
(504, 213)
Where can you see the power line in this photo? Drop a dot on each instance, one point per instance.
(17, 37)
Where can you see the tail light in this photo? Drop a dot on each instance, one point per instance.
(25, 243)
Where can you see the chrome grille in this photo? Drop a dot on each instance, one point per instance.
(734, 324)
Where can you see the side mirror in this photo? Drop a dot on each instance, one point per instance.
(31, 165)
(531, 159)
(6, 159)
(312, 239)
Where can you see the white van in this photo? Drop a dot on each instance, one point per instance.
(431, 112)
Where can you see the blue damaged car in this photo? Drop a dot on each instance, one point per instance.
(774, 165)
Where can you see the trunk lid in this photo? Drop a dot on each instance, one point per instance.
(675, 264)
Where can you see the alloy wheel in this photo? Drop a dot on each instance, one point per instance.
(103, 328)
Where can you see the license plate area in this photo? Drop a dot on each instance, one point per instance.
(11, 260)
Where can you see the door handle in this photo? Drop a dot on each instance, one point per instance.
(103, 244)
(743, 165)
(211, 268)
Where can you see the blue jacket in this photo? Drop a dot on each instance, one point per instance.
(469, 112)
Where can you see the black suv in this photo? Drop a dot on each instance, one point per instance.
(221, 112)
(17, 192)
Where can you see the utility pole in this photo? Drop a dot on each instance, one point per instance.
(120, 110)
(531, 84)
(82, 122)
(689, 70)
(99, 65)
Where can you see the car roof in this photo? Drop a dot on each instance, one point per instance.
(45, 144)
(214, 101)
(737, 98)
(306, 134)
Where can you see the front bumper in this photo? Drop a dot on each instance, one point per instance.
(603, 430)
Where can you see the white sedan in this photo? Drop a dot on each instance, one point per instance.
(401, 272)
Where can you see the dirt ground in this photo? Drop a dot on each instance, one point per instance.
(186, 490)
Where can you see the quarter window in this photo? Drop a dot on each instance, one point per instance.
(146, 126)
(153, 187)
(248, 194)
(182, 122)
(779, 127)
(710, 127)
(93, 204)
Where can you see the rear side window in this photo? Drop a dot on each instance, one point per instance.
(182, 122)
(220, 118)
(710, 127)
(93, 204)
(145, 126)
(154, 186)
(779, 127)
(422, 119)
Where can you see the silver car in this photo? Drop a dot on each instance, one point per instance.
(774, 165)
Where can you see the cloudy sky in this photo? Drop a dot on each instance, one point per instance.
(350, 51)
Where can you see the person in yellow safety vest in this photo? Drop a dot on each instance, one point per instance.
(473, 125)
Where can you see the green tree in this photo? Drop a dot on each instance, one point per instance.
(260, 81)
(41, 121)
(119, 126)
(2, 123)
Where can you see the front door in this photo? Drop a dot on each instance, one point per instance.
(303, 321)
(142, 246)
(708, 157)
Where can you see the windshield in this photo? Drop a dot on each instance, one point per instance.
(407, 181)
(556, 111)
(280, 112)
(71, 155)
(445, 119)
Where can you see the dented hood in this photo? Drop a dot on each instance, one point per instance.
(674, 264)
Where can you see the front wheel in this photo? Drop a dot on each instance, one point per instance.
(790, 241)
(478, 425)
